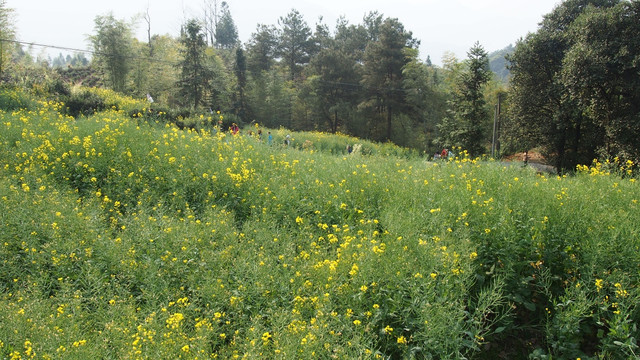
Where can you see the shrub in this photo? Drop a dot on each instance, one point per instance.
(83, 102)
(15, 99)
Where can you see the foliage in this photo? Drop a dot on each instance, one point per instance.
(194, 71)
(86, 75)
(560, 103)
(15, 99)
(162, 74)
(226, 32)
(83, 102)
(466, 125)
(7, 34)
(75, 60)
(427, 101)
(352, 39)
(599, 72)
(220, 88)
(332, 81)
(240, 70)
(572, 94)
(384, 60)
(112, 46)
(261, 49)
(269, 99)
(295, 44)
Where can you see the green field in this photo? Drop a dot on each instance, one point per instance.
(125, 238)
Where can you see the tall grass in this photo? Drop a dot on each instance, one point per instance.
(121, 239)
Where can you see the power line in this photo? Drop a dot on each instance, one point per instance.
(370, 88)
(47, 46)
(92, 52)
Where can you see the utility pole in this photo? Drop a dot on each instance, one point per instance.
(498, 122)
(495, 144)
(495, 125)
(1, 56)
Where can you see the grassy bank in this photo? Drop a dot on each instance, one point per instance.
(126, 239)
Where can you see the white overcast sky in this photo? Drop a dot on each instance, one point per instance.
(441, 25)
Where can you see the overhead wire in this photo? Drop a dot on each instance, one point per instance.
(136, 57)
(92, 52)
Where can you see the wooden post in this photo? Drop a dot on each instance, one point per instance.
(493, 139)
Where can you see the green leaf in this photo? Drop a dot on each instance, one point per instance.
(529, 305)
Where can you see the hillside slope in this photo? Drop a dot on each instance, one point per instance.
(127, 239)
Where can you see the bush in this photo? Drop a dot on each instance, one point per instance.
(15, 99)
(83, 102)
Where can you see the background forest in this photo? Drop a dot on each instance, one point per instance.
(569, 90)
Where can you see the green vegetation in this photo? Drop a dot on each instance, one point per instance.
(143, 229)
(581, 102)
(368, 80)
(122, 237)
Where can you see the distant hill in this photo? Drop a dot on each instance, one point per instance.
(498, 63)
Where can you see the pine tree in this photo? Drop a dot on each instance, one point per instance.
(226, 32)
(384, 60)
(194, 76)
(295, 43)
(261, 49)
(468, 118)
(240, 69)
(332, 84)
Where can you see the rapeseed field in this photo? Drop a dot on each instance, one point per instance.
(122, 238)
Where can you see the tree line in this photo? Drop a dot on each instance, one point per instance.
(572, 93)
(575, 86)
(365, 80)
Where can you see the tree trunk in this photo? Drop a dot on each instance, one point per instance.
(560, 150)
(576, 143)
(389, 116)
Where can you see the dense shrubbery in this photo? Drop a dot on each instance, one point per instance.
(84, 103)
(122, 239)
(11, 99)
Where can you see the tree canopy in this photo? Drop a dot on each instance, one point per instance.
(226, 32)
(194, 75)
(580, 102)
(112, 46)
(467, 123)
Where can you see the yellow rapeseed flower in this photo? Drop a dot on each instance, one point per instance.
(599, 284)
